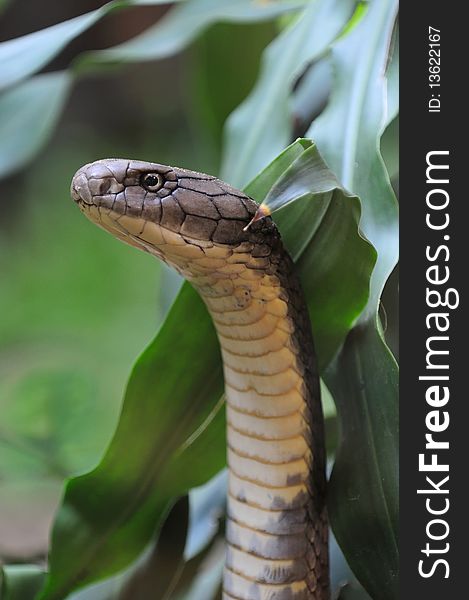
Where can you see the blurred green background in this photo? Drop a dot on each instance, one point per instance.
(78, 307)
(68, 292)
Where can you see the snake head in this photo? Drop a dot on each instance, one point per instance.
(164, 210)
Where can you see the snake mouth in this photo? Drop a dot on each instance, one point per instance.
(79, 190)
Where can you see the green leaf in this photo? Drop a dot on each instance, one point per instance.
(347, 133)
(260, 186)
(28, 114)
(40, 100)
(364, 491)
(392, 79)
(202, 575)
(262, 126)
(170, 437)
(155, 572)
(109, 515)
(352, 591)
(216, 91)
(320, 231)
(159, 572)
(27, 54)
(311, 93)
(204, 553)
(390, 138)
(20, 582)
(182, 25)
(390, 148)
(363, 488)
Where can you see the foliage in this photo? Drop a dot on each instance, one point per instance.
(170, 436)
(348, 133)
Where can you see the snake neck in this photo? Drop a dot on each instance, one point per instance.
(276, 517)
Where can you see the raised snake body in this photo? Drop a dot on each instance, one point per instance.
(277, 535)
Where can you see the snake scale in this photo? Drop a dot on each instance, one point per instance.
(277, 532)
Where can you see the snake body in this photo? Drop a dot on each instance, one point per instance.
(277, 534)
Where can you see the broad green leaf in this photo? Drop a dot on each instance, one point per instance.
(341, 574)
(390, 138)
(25, 130)
(109, 515)
(180, 26)
(202, 575)
(162, 567)
(260, 186)
(170, 437)
(27, 54)
(262, 126)
(364, 491)
(321, 233)
(215, 90)
(347, 133)
(352, 591)
(392, 80)
(20, 582)
(28, 114)
(310, 95)
(364, 484)
(155, 572)
(390, 313)
(389, 148)
(159, 573)
(207, 510)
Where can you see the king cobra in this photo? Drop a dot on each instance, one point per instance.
(277, 531)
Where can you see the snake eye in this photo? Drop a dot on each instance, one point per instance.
(152, 181)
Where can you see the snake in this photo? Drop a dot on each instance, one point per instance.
(276, 520)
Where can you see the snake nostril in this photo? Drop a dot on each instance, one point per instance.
(99, 187)
(105, 186)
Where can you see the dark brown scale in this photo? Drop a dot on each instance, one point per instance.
(229, 230)
(151, 210)
(198, 227)
(208, 187)
(106, 202)
(172, 216)
(99, 171)
(169, 186)
(204, 207)
(118, 169)
(134, 200)
(263, 250)
(186, 174)
(230, 207)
